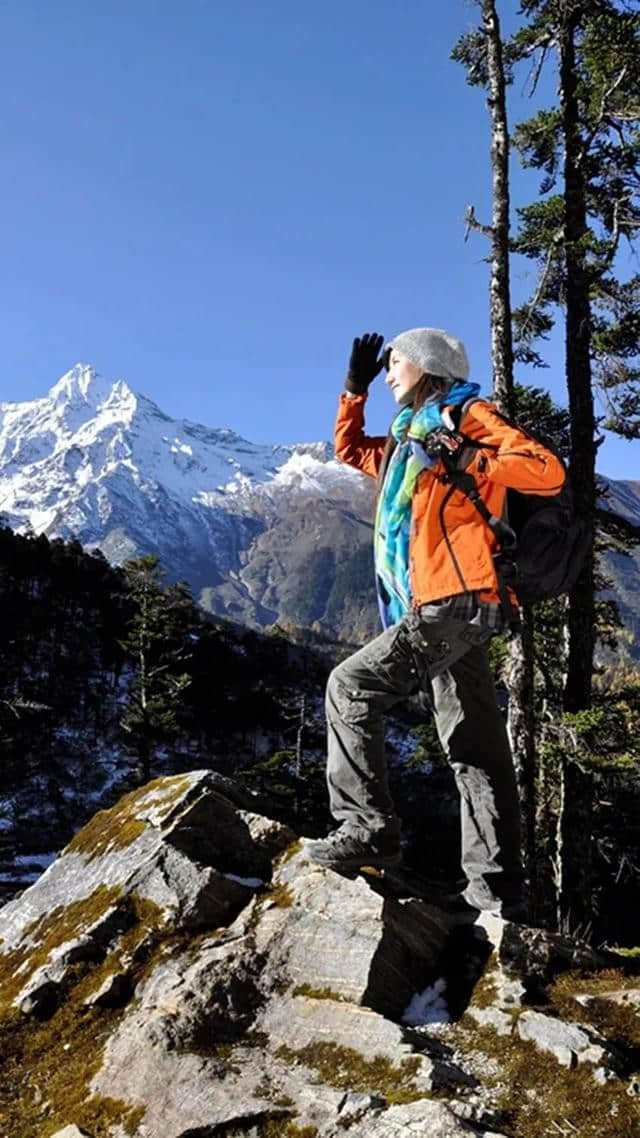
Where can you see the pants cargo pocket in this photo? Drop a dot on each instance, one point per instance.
(395, 662)
(346, 704)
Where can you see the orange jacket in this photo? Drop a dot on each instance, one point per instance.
(451, 547)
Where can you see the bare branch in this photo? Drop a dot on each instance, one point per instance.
(542, 282)
(535, 73)
(631, 114)
(473, 223)
(601, 116)
(545, 41)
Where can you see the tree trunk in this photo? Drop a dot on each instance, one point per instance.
(575, 906)
(577, 694)
(501, 338)
(521, 728)
(300, 734)
(521, 669)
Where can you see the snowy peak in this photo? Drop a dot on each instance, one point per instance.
(92, 454)
(83, 392)
(82, 384)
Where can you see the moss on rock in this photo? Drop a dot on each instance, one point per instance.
(120, 825)
(616, 1022)
(48, 1064)
(279, 1128)
(347, 1068)
(279, 895)
(317, 993)
(50, 931)
(288, 853)
(535, 1093)
(485, 991)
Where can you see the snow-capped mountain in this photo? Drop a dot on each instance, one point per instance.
(263, 534)
(96, 461)
(66, 458)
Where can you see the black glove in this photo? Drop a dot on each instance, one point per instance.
(364, 364)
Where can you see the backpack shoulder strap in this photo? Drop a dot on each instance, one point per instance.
(465, 482)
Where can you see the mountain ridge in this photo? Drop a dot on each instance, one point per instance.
(264, 533)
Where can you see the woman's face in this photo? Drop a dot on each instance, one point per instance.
(402, 377)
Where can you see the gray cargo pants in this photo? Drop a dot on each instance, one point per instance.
(447, 660)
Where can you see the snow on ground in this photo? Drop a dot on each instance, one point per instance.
(428, 1007)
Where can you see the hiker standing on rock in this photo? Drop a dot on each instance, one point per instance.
(440, 601)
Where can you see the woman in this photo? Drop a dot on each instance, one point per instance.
(440, 605)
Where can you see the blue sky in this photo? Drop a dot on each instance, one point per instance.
(210, 199)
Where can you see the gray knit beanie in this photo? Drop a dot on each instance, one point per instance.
(432, 349)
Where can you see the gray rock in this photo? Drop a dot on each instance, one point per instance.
(343, 936)
(355, 1105)
(179, 843)
(113, 993)
(415, 1120)
(604, 1075)
(301, 1023)
(623, 997)
(570, 1043)
(316, 933)
(492, 1017)
(287, 1006)
(42, 989)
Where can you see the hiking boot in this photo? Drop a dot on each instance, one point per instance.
(514, 910)
(350, 847)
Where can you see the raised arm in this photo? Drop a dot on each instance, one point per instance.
(351, 444)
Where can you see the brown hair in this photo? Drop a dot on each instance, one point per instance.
(426, 386)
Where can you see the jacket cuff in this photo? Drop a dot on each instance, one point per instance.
(348, 397)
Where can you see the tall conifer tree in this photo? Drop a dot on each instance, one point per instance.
(158, 645)
(588, 149)
(487, 64)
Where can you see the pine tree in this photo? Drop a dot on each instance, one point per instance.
(158, 644)
(487, 64)
(482, 54)
(588, 148)
(573, 140)
(590, 143)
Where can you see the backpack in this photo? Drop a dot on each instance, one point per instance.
(543, 544)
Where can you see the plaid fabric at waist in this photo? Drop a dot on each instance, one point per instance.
(468, 607)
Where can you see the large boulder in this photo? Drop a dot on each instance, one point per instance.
(183, 970)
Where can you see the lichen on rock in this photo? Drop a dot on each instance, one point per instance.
(199, 975)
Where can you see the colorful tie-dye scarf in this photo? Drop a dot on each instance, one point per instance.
(393, 515)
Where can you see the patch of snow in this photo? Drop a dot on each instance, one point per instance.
(428, 1007)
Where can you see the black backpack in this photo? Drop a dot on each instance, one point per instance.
(543, 544)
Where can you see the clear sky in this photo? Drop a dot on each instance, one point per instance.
(209, 199)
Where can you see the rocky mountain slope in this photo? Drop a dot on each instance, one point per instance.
(263, 534)
(250, 527)
(183, 971)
